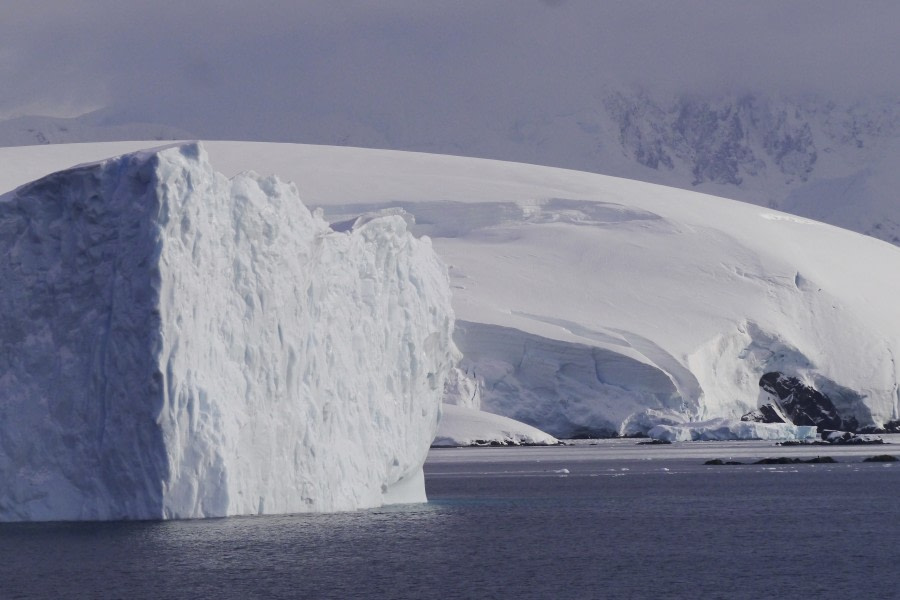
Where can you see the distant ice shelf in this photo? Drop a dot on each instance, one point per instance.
(175, 344)
(726, 429)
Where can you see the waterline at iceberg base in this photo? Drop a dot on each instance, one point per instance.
(176, 344)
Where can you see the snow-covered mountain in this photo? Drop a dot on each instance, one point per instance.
(174, 344)
(829, 161)
(814, 156)
(589, 304)
(833, 161)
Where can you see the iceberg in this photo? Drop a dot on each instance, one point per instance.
(177, 344)
(728, 429)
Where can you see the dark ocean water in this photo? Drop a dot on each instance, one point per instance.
(506, 524)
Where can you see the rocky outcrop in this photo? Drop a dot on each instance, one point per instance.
(889, 427)
(881, 458)
(719, 140)
(767, 413)
(803, 404)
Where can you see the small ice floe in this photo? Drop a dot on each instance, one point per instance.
(562, 471)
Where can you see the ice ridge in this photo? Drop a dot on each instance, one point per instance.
(176, 344)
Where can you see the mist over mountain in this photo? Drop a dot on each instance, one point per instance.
(785, 104)
(808, 155)
(91, 127)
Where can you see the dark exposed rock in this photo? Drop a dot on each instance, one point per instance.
(505, 442)
(847, 437)
(766, 413)
(872, 429)
(718, 140)
(653, 442)
(820, 459)
(781, 460)
(889, 427)
(792, 150)
(591, 433)
(786, 460)
(754, 416)
(835, 437)
(805, 405)
(719, 461)
(881, 458)
(802, 443)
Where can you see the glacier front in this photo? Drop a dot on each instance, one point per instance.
(176, 344)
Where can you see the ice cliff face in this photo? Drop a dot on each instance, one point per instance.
(175, 344)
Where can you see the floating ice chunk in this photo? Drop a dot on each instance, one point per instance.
(174, 344)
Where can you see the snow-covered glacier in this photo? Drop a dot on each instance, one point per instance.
(591, 305)
(177, 344)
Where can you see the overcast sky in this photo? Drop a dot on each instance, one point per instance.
(249, 68)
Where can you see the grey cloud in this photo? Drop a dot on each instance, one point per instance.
(255, 70)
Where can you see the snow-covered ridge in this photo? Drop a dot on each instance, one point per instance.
(175, 344)
(827, 159)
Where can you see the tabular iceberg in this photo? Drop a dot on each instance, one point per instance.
(175, 344)
(725, 429)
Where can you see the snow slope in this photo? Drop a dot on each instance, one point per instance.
(461, 426)
(174, 344)
(594, 305)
